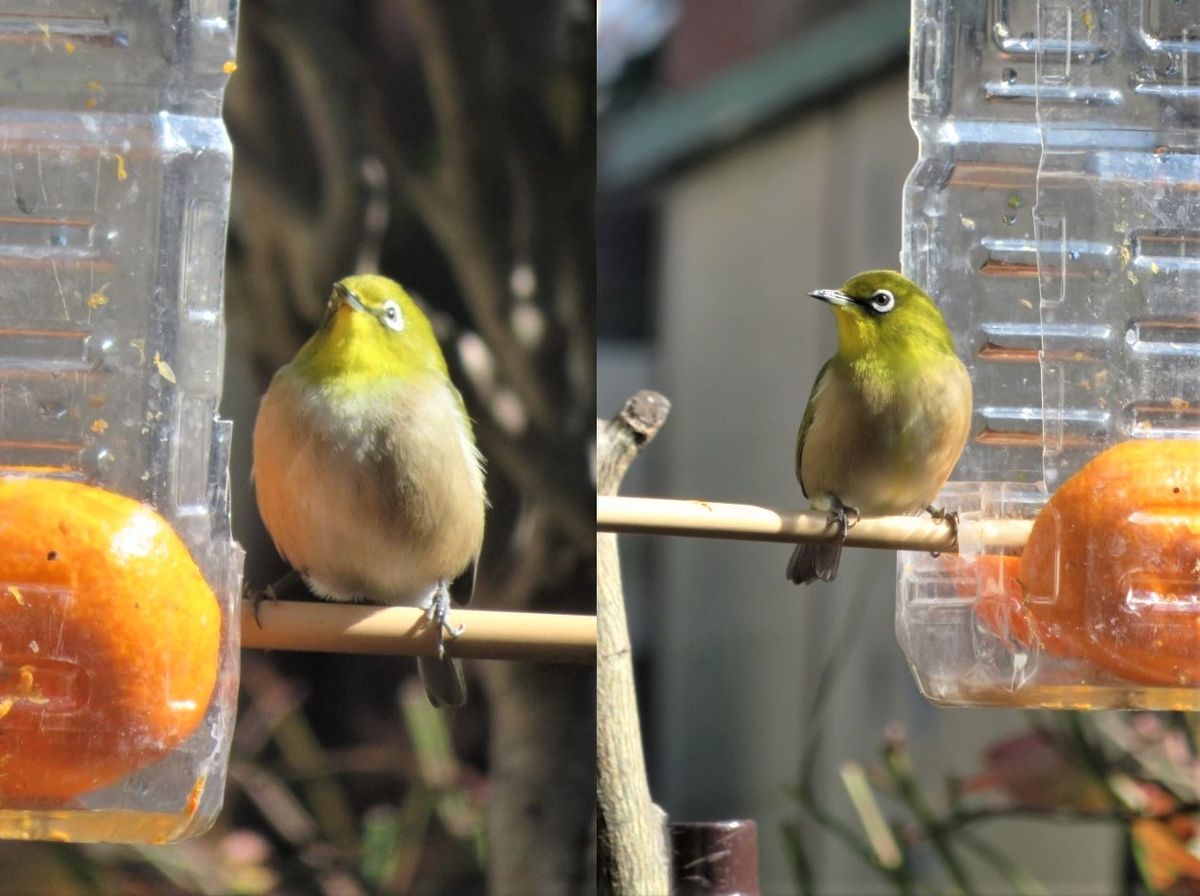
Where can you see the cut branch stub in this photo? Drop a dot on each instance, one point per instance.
(619, 440)
(634, 859)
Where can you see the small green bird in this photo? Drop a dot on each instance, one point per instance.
(888, 415)
(365, 465)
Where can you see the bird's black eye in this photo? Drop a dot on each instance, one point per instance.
(883, 301)
(392, 318)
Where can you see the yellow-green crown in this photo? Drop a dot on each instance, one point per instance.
(372, 328)
(885, 311)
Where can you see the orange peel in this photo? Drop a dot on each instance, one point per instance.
(110, 659)
(1111, 570)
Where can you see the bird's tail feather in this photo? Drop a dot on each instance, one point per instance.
(444, 680)
(817, 560)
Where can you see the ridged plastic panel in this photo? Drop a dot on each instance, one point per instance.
(1055, 214)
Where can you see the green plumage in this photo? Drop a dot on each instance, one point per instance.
(809, 411)
(888, 414)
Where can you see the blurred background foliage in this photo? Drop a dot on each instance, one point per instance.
(451, 147)
(1136, 775)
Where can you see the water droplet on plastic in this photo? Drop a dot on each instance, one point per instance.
(102, 354)
(95, 459)
(1009, 75)
(52, 410)
(1009, 219)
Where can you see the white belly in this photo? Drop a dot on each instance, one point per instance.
(381, 510)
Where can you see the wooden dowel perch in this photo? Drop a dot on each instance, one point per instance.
(707, 519)
(362, 628)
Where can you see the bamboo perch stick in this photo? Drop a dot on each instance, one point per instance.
(708, 519)
(363, 628)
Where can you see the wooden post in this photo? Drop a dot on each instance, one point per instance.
(634, 858)
(715, 858)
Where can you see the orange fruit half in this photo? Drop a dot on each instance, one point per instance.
(1113, 561)
(109, 640)
(1111, 570)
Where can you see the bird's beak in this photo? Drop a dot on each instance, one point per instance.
(832, 296)
(347, 297)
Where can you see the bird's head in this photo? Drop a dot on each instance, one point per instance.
(883, 310)
(372, 327)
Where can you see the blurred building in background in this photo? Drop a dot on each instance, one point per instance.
(749, 153)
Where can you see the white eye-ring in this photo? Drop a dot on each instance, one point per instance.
(883, 301)
(392, 318)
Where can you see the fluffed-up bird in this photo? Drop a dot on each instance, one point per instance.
(365, 465)
(888, 415)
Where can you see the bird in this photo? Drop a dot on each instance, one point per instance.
(366, 470)
(888, 415)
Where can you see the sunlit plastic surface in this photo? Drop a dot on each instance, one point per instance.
(1055, 212)
(114, 196)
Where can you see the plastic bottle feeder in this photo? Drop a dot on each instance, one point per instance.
(1055, 212)
(118, 573)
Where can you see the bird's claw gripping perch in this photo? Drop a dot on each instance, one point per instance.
(267, 594)
(256, 596)
(290, 581)
(438, 614)
(844, 517)
(819, 560)
(943, 515)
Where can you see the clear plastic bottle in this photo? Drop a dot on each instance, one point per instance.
(114, 197)
(1055, 213)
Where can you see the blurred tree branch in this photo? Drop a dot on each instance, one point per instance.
(288, 244)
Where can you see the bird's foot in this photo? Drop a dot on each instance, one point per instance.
(289, 582)
(438, 614)
(267, 593)
(844, 517)
(942, 515)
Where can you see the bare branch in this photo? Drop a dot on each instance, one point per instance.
(468, 217)
(633, 854)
